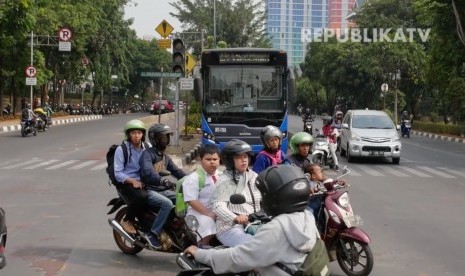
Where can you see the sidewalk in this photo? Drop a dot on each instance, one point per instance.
(440, 137)
(13, 125)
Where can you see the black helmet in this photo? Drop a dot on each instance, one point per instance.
(269, 132)
(232, 148)
(284, 189)
(155, 133)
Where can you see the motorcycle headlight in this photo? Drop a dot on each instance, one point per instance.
(343, 200)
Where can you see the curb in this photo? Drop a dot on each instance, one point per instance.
(54, 122)
(191, 155)
(439, 137)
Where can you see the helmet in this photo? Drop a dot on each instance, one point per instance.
(300, 138)
(326, 119)
(133, 125)
(232, 148)
(284, 189)
(269, 132)
(155, 132)
(339, 113)
(28, 105)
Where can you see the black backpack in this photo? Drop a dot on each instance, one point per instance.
(24, 114)
(111, 159)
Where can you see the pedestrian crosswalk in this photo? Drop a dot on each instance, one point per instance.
(357, 170)
(56, 164)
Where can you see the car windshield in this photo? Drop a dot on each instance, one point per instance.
(372, 121)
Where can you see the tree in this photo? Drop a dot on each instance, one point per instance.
(239, 23)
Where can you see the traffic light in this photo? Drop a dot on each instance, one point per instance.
(179, 56)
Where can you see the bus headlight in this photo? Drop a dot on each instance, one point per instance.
(209, 136)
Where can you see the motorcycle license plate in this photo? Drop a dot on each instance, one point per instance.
(377, 153)
(353, 221)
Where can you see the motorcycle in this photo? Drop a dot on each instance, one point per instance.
(308, 127)
(3, 234)
(405, 128)
(339, 229)
(28, 127)
(41, 124)
(174, 238)
(321, 154)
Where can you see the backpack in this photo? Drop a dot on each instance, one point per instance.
(111, 159)
(24, 114)
(315, 264)
(181, 205)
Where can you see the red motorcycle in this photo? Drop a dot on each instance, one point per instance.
(339, 229)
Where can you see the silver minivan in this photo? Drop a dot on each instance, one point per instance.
(369, 133)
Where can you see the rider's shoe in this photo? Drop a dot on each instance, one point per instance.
(336, 168)
(128, 227)
(153, 241)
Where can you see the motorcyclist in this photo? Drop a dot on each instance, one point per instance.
(301, 145)
(404, 118)
(292, 231)
(160, 191)
(271, 154)
(28, 116)
(237, 179)
(337, 121)
(332, 134)
(128, 172)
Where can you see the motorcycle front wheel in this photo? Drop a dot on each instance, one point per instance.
(354, 257)
(122, 243)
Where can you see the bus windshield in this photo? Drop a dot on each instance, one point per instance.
(238, 91)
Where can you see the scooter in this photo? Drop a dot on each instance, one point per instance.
(405, 128)
(41, 124)
(321, 154)
(308, 127)
(339, 229)
(28, 127)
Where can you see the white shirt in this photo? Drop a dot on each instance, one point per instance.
(191, 191)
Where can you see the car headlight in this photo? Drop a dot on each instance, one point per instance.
(355, 137)
(395, 138)
(343, 200)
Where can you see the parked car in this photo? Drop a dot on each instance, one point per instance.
(165, 106)
(370, 133)
(2, 238)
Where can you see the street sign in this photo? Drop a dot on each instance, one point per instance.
(160, 74)
(65, 34)
(190, 63)
(31, 71)
(164, 43)
(64, 46)
(31, 81)
(385, 87)
(164, 29)
(186, 83)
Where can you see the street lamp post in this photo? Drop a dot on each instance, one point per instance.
(214, 23)
(396, 77)
(384, 89)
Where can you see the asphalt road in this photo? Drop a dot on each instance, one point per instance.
(54, 190)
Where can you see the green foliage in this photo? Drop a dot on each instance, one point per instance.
(439, 128)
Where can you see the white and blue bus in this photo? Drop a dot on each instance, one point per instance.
(241, 91)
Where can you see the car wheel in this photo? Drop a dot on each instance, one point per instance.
(350, 159)
(395, 160)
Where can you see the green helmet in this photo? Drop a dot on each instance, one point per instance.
(300, 138)
(132, 125)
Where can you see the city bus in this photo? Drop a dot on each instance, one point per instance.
(242, 90)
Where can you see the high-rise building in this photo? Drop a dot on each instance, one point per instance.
(287, 21)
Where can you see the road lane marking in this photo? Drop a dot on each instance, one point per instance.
(9, 162)
(453, 171)
(370, 171)
(436, 172)
(61, 165)
(99, 167)
(35, 160)
(393, 171)
(415, 172)
(40, 164)
(82, 165)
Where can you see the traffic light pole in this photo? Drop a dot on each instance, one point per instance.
(176, 130)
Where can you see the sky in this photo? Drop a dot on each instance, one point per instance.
(148, 14)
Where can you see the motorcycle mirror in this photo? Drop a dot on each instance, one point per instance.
(237, 199)
(192, 223)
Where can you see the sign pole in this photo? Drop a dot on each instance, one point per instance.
(176, 131)
(160, 96)
(32, 63)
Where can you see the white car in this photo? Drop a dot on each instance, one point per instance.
(370, 133)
